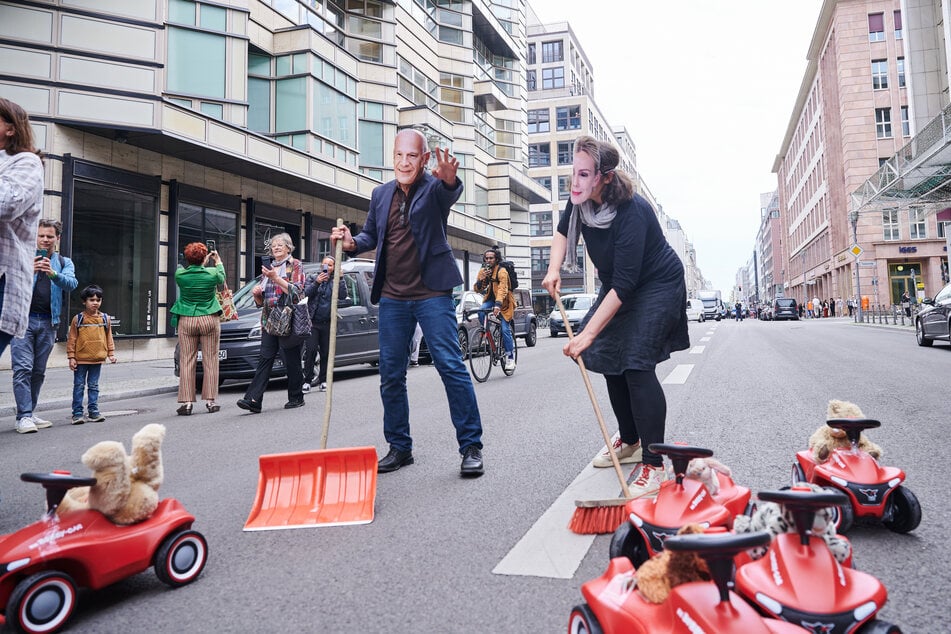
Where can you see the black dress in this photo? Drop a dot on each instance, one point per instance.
(634, 258)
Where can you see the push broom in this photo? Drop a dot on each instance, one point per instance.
(595, 517)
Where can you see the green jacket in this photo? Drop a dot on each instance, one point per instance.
(196, 291)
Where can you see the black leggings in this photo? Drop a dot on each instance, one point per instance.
(640, 408)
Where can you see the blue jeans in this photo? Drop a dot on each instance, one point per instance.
(86, 376)
(437, 317)
(28, 357)
(507, 342)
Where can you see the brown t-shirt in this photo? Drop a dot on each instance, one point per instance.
(403, 279)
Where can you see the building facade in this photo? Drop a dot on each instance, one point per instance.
(173, 121)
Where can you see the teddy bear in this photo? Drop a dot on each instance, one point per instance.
(705, 470)
(825, 439)
(660, 574)
(775, 519)
(126, 489)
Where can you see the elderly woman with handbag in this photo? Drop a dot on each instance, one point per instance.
(196, 314)
(281, 288)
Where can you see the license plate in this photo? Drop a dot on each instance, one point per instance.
(222, 355)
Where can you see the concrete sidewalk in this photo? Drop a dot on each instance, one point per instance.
(122, 380)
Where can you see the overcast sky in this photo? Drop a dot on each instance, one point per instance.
(706, 90)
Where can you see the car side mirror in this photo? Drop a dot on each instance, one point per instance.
(345, 302)
(928, 300)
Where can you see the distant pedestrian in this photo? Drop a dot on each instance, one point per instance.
(851, 306)
(319, 292)
(21, 201)
(738, 307)
(817, 307)
(809, 309)
(906, 303)
(89, 344)
(53, 277)
(831, 307)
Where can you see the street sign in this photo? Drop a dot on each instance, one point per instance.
(867, 263)
(856, 250)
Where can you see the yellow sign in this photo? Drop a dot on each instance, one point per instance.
(856, 250)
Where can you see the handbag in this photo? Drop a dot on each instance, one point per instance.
(301, 325)
(225, 298)
(279, 319)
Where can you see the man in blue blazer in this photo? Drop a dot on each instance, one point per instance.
(413, 281)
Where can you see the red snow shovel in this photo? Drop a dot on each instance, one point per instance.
(325, 487)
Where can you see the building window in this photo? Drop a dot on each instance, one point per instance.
(540, 258)
(531, 54)
(539, 154)
(564, 187)
(541, 223)
(876, 27)
(897, 25)
(372, 153)
(530, 81)
(900, 63)
(125, 264)
(553, 78)
(879, 74)
(917, 226)
(552, 52)
(944, 228)
(538, 121)
(198, 223)
(184, 76)
(564, 152)
(290, 105)
(568, 118)
(544, 181)
(883, 123)
(905, 123)
(890, 227)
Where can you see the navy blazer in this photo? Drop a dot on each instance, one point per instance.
(428, 216)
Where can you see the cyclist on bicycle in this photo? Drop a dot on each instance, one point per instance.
(493, 282)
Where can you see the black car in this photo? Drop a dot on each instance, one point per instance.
(357, 327)
(785, 308)
(934, 319)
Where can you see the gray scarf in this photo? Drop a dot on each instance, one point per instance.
(600, 218)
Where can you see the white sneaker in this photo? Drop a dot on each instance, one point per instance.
(509, 364)
(25, 425)
(322, 387)
(626, 454)
(41, 423)
(645, 481)
(305, 388)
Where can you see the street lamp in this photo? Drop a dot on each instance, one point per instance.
(854, 217)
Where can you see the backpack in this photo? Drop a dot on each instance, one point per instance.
(509, 266)
(106, 321)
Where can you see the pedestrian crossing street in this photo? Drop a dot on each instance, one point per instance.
(549, 549)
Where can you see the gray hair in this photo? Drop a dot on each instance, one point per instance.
(285, 238)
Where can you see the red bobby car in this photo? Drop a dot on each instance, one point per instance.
(801, 582)
(679, 501)
(614, 605)
(43, 565)
(875, 492)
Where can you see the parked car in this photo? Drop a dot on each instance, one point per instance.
(524, 321)
(785, 308)
(695, 310)
(934, 318)
(576, 307)
(358, 338)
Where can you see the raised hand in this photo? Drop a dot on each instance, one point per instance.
(446, 166)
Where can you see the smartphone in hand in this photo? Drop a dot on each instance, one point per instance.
(211, 245)
(267, 261)
(42, 253)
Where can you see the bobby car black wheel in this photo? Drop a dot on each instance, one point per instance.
(902, 513)
(181, 558)
(843, 517)
(879, 627)
(583, 621)
(798, 475)
(42, 603)
(628, 542)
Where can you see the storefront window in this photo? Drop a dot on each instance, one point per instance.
(203, 224)
(115, 245)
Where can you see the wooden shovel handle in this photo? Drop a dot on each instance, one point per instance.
(332, 348)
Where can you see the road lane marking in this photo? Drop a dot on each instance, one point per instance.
(697, 349)
(704, 338)
(549, 549)
(679, 375)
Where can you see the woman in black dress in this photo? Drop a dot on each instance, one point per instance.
(640, 316)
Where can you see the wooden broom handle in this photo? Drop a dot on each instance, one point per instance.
(594, 401)
(332, 348)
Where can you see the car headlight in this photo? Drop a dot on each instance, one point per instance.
(255, 332)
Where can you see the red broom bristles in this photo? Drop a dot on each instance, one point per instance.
(597, 520)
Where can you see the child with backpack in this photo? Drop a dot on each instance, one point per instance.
(89, 344)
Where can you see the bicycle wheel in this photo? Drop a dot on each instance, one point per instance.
(514, 355)
(480, 356)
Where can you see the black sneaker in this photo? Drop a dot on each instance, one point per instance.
(248, 404)
(293, 404)
(472, 462)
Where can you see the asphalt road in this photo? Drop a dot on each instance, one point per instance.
(754, 394)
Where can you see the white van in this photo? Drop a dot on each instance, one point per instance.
(695, 310)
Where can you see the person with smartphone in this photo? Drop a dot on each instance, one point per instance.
(54, 275)
(318, 289)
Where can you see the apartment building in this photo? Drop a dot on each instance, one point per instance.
(172, 121)
(853, 113)
(769, 247)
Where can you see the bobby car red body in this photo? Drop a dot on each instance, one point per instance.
(43, 565)
(875, 492)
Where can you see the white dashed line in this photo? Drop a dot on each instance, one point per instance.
(679, 375)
